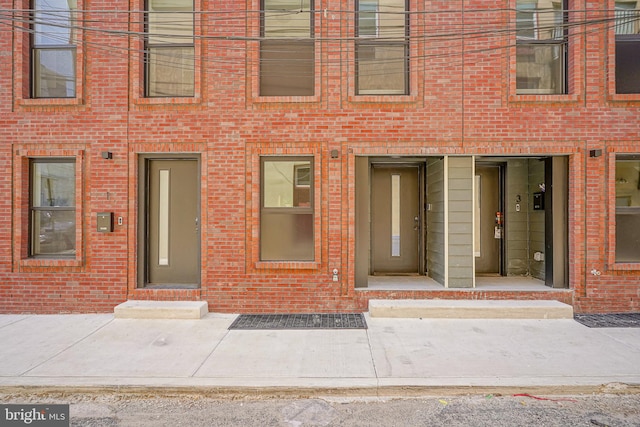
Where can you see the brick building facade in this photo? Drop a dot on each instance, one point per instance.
(307, 156)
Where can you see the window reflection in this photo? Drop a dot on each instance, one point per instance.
(287, 51)
(170, 51)
(382, 47)
(53, 221)
(540, 47)
(627, 208)
(286, 221)
(54, 48)
(627, 30)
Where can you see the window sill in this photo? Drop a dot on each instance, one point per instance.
(37, 263)
(382, 99)
(168, 101)
(625, 266)
(286, 99)
(624, 97)
(543, 99)
(287, 265)
(49, 102)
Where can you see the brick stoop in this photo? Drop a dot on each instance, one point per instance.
(135, 309)
(470, 309)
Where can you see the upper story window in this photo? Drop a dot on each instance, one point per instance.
(628, 208)
(541, 47)
(52, 208)
(287, 49)
(382, 47)
(53, 49)
(169, 48)
(627, 30)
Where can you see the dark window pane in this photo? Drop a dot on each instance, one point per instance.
(171, 71)
(628, 64)
(382, 69)
(287, 68)
(302, 175)
(286, 237)
(540, 68)
(628, 236)
(628, 210)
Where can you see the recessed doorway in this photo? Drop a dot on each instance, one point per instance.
(396, 219)
(169, 223)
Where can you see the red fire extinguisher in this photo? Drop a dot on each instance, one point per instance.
(498, 228)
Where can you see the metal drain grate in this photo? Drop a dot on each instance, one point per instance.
(300, 321)
(618, 320)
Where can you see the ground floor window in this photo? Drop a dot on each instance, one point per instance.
(52, 207)
(286, 214)
(628, 208)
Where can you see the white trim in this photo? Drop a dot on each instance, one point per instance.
(475, 222)
(446, 221)
(163, 218)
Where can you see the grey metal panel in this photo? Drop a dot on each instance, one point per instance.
(362, 236)
(460, 195)
(517, 222)
(536, 220)
(435, 219)
(560, 228)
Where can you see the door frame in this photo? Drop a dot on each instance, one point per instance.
(143, 216)
(408, 162)
(502, 172)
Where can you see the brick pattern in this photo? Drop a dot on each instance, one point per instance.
(462, 101)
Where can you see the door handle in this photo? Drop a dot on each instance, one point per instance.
(416, 222)
(197, 222)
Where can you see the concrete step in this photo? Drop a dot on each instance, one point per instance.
(470, 309)
(161, 310)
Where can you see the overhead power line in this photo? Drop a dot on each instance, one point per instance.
(105, 31)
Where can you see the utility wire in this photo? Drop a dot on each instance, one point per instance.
(435, 44)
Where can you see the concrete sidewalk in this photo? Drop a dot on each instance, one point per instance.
(391, 356)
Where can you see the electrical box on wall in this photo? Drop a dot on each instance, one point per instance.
(538, 201)
(105, 222)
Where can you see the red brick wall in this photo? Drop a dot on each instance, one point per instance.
(462, 101)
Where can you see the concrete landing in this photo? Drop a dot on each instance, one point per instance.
(470, 309)
(161, 310)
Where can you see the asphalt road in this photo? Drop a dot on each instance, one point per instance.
(111, 409)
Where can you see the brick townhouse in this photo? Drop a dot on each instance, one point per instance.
(310, 155)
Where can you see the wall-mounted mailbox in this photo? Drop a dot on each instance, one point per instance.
(105, 222)
(538, 201)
